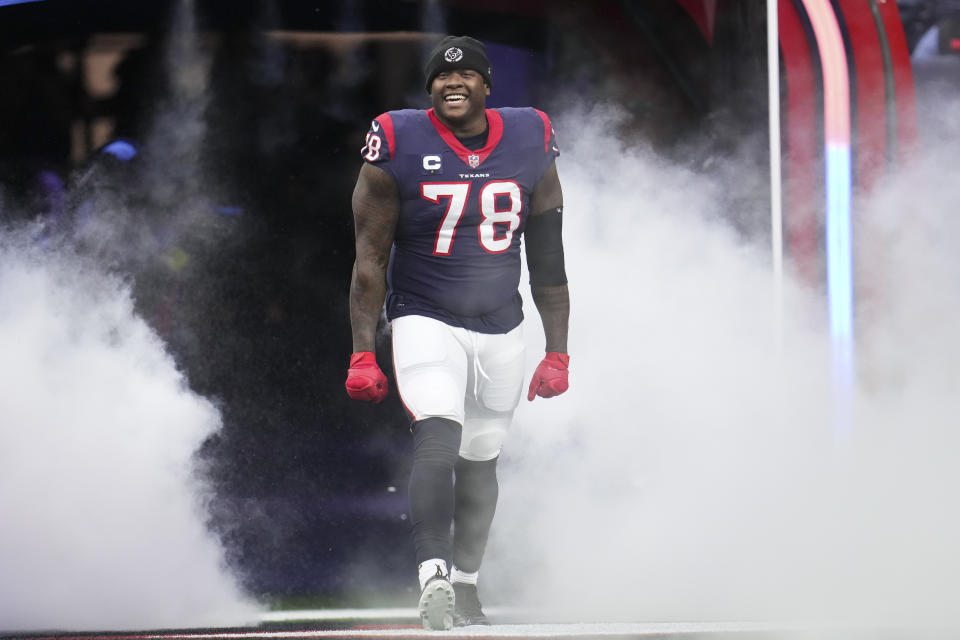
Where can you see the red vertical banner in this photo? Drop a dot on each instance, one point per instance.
(906, 98)
(869, 136)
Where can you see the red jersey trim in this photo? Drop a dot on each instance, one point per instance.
(546, 130)
(387, 123)
(493, 138)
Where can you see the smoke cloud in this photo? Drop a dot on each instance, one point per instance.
(695, 470)
(103, 506)
(103, 516)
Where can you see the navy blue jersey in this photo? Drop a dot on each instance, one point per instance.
(456, 251)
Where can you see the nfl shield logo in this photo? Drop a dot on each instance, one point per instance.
(473, 161)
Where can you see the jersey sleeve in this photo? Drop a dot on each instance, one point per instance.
(550, 147)
(378, 146)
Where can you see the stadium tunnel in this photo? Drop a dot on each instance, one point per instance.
(690, 77)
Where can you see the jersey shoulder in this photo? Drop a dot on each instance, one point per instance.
(533, 124)
(380, 145)
(521, 114)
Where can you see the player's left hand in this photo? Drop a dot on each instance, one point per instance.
(550, 378)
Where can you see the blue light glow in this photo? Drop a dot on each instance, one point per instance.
(121, 149)
(839, 252)
(840, 269)
(8, 3)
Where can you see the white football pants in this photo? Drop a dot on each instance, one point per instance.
(472, 378)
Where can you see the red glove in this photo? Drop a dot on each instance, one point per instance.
(365, 380)
(550, 378)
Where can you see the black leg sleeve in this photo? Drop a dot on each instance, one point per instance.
(436, 443)
(476, 501)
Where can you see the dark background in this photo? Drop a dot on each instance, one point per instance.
(233, 218)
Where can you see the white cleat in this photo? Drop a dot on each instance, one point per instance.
(437, 604)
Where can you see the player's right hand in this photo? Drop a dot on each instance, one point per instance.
(365, 380)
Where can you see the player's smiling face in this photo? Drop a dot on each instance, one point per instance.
(459, 97)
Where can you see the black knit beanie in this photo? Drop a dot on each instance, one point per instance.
(457, 52)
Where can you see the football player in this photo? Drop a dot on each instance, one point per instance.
(442, 200)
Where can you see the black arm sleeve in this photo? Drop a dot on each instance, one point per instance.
(544, 245)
